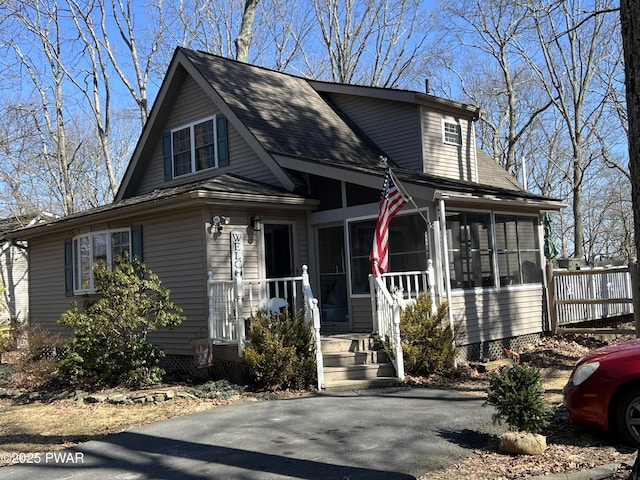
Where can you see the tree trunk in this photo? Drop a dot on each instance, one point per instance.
(630, 17)
(246, 30)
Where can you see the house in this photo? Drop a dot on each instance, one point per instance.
(247, 173)
(14, 274)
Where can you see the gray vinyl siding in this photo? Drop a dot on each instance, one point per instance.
(393, 126)
(490, 315)
(444, 160)
(191, 105)
(47, 299)
(15, 280)
(174, 249)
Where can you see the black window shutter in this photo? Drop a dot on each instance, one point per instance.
(167, 157)
(68, 267)
(223, 143)
(136, 242)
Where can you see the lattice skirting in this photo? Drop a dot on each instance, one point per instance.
(493, 350)
(221, 369)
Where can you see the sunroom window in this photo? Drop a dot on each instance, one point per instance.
(478, 257)
(470, 249)
(407, 248)
(90, 248)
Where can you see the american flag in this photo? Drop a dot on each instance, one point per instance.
(391, 202)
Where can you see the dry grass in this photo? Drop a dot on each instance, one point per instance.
(38, 427)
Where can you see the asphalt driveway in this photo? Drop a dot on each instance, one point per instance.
(386, 434)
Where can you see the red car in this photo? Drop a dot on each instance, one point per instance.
(604, 391)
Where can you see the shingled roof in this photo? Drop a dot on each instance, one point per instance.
(284, 112)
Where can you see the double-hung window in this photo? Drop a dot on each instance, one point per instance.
(451, 133)
(195, 147)
(107, 246)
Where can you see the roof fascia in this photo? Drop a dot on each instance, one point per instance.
(470, 201)
(406, 96)
(187, 199)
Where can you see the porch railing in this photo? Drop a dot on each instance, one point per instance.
(391, 292)
(232, 302)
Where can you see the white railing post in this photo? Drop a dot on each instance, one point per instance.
(312, 315)
(396, 341)
(239, 295)
(431, 282)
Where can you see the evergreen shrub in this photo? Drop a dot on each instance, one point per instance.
(281, 352)
(109, 344)
(517, 394)
(427, 339)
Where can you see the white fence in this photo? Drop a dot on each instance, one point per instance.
(585, 295)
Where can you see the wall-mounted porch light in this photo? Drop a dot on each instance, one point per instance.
(256, 223)
(218, 221)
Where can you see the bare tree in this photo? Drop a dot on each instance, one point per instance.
(630, 19)
(43, 65)
(375, 42)
(502, 83)
(572, 50)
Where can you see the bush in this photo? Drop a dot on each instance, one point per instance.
(427, 339)
(281, 352)
(217, 390)
(109, 343)
(517, 394)
(37, 364)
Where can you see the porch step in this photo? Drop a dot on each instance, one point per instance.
(355, 361)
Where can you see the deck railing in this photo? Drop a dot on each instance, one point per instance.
(232, 302)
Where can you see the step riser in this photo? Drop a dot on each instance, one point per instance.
(338, 374)
(349, 345)
(360, 362)
(354, 358)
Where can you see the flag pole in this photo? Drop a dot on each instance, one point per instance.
(403, 190)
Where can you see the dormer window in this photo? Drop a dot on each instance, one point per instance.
(195, 147)
(451, 133)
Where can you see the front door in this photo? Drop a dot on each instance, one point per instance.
(332, 263)
(278, 250)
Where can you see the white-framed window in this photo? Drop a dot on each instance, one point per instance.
(89, 248)
(451, 132)
(194, 147)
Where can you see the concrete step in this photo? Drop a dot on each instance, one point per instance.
(348, 385)
(344, 359)
(349, 343)
(358, 372)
